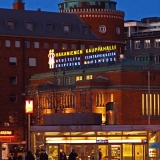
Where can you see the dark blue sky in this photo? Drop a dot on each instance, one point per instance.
(134, 9)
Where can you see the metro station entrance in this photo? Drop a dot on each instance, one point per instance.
(109, 151)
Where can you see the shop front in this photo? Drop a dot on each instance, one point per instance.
(115, 142)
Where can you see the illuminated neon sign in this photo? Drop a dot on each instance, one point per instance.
(78, 52)
(51, 56)
(6, 133)
(29, 106)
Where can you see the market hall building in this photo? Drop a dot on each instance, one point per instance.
(105, 107)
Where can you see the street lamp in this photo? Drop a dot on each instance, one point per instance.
(29, 110)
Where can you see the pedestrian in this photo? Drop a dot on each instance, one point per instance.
(100, 154)
(43, 155)
(92, 155)
(73, 155)
(29, 156)
(12, 157)
(63, 155)
(38, 153)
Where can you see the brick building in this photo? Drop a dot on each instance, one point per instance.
(27, 36)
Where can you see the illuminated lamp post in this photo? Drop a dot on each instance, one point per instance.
(29, 111)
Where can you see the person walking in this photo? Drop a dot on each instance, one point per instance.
(73, 155)
(29, 156)
(92, 155)
(43, 155)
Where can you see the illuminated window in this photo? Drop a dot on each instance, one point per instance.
(29, 26)
(13, 80)
(73, 46)
(48, 27)
(10, 25)
(66, 28)
(7, 43)
(32, 62)
(146, 43)
(89, 77)
(17, 44)
(36, 44)
(13, 98)
(46, 45)
(99, 99)
(82, 47)
(157, 43)
(68, 80)
(13, 61)
(137, 44)
(64, 46)
(78, 78)
(55, 45)
(27, 44)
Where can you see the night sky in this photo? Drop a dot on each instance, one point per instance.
(134, 9)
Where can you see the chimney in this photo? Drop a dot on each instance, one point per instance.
(18, 4)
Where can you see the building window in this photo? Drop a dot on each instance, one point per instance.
(84, 29)
(68, 80)
(7, 43)
(146, 43)
(89, 77)
(55, 45)
(157, 43)
(59, 81)
(29, 26)
(13, 61)
(64, 46)
(10, 25)
(125, 47)
(36, 44)
(48, 27)
(13, 97)
(13, 80)
(91, 46)
(99, 99)
(46, 45)
(17, 44)
(82, 47)
(73, 46)
(78, 78)
(27, 44)
(32, 62)
(66, 28)
(137, 44)
(157, 58)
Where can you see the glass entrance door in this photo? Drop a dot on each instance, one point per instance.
(53, 152)
(139, 152)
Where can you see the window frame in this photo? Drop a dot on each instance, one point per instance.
(36, 45)
(13, 80)
(16, 44)
(13, 61)
(13, 98)
(146, 44)
(32, 62)
(79, 78)
(157, 43)
(10, 27)
(137, 44)
(29, 26)
(66, 28)
(7, 44)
